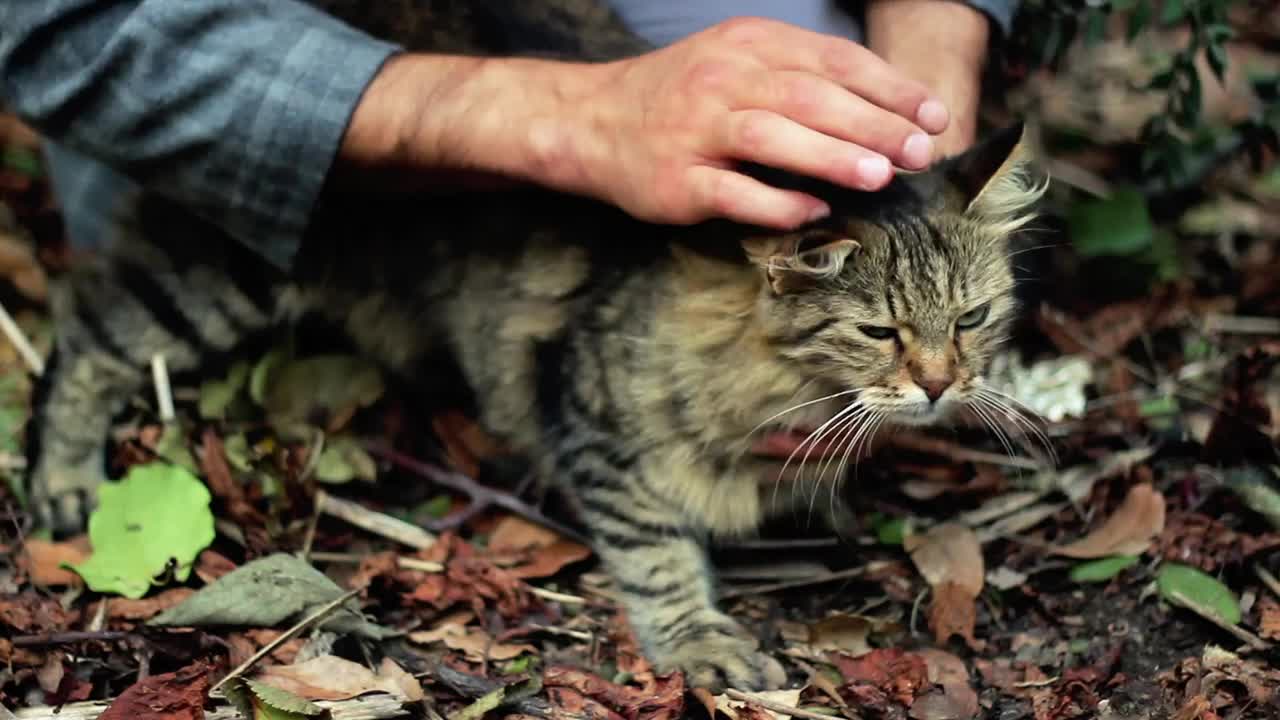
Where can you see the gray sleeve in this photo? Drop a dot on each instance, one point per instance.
(1001, 12)
(234, 108)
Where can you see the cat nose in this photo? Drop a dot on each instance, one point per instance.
(934, 387)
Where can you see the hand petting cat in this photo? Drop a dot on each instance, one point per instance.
(659, 134)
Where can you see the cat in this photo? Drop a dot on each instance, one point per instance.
(635, 364)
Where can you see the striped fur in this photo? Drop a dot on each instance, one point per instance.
(633, 363)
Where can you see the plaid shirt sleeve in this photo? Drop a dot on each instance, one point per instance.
(233, 108)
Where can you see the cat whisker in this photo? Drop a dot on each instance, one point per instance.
(1001, 401)
(836, 418)
(793, 408)
(857, 421)
(981, 408)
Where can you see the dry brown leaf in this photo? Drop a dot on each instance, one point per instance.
(145, 608)
(212, 565)
(43, 560)
(948, 553)
(950, 559)
(329, 677)
(846, 633)
(899, 675)
(955, 699)
(173, 696)
(474, 642)
(465, 442)
(1269, 618)
(531, 550)
(1129, 531)
(18, 263)
(733, 708)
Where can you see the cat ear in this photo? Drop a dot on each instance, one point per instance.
(791, 264)
(997, 181)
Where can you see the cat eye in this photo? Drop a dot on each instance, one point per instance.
(973, 318)
(878, 332)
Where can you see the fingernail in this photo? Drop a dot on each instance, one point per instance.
(874, 172)
(932, 115)
(917, 151)
(818, 212)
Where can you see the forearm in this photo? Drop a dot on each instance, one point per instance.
(437, 118)
(942, 44)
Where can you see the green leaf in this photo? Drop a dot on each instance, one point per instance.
(262, 373)
(24, 161)
(153, 522)
(216, 395)
(1118, 225)
(1258, 490)
(282, 700)
(343, 460)
(1140, 18)
(266, 592)
(435, 508)
(890, 531)
(1102, 569)
(324, 386)
(1183, 584)
(1172, 11)
(172, 447)
(1095, 27)
(483, 705)
(1158, 406)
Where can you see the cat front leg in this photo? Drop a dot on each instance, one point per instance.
(655, 553)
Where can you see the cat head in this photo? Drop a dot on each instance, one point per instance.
(906, 293)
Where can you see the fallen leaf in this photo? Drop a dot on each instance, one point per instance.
(1129, 531)
(328, 388)
(466, 444)
(329, 677)
(258, 701)
(266, 592)
(1269, 618)
(172, 696)
(1005, 578)
(343, 459)
(950, 559)
(44, 560)
(212, 565)
(127, 609)
(955, 699)
(1103, 569)
(150, 525)
(660, 698)
(477, 644)
(1185, 585)
(847, 633)
(531, 550)
(898, 674)
(731, 707)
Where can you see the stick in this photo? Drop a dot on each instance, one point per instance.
(936, 446)
(800, 582)
(20, 342)
(366, 707)
(435, 567)
(1266, 577)
(776, 707)
(303, 624)
(1245, 636)
(164, 393)
(375, 522)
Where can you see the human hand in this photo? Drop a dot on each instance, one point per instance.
(664, 130)
(659, 135)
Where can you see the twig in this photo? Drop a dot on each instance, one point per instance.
(164, 393)
(798, 582)
(435, 567)
(374, 521)
(776, 707)
(302, 624)
(783, 543)
(20, 342)
(366, 707)
(553, 630)
(938, 446)
(481, 496)
(1267, 579)
(1243, 635)
(70, 637)
(1241, 325)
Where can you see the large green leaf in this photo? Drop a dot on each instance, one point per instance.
(1117, 225)
(1102, 569)
(151, 524)
(1185, 585)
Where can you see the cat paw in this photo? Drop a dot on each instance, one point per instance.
(63, 497)
(720, 658)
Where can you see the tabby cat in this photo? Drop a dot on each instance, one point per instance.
(635, 364)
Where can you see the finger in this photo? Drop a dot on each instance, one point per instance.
(822, 105)
(786, 47)
(732, 195)
(770, 139)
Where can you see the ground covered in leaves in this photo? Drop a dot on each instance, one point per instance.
(301, 540)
